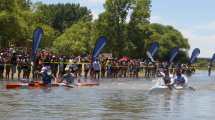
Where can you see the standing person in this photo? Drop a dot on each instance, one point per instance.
(124, 68)
(103, 68)
(61, 67)
(109, 68)
(209, 69)
(96, 69)
(19, 66)
(13, 64)
(37, 67)
(86, 69)
(7, 66)
(25, 67)
(28, 67)
(1, 67)
(137, 69)
(54, 65)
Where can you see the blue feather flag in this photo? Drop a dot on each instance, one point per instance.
(195, 54)
(213, 58)
(102, 41)
(173, 53)
(37, 37)
(152, 50)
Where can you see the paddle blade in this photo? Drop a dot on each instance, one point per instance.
(152, 50)
(173, 53)
(195, 54)
(37, 37)
(102, 41)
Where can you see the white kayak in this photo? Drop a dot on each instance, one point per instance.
(66, 85)
(161, 87)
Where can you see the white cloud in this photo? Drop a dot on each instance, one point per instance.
(95, 15)
(205, 43)
(199, 36)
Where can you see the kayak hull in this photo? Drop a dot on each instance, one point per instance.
(28, 85)
(41, 85)
(90, 84)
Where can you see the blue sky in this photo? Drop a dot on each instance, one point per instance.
(194, 18)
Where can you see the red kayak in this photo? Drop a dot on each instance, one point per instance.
(38, 84)
(28, 85)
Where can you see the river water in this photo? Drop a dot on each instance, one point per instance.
(118, 99)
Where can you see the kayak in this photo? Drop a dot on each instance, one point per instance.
(38, 84)
(179, 87)
(161, 87)
(87, 84)
(34, 85)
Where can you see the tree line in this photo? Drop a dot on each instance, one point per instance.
(70, 28)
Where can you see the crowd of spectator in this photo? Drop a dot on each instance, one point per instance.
(19, 63)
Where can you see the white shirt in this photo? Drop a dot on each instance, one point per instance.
(96, 66)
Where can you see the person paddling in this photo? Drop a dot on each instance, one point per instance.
(46, 76)
(167, 78)
(69, 76)
(180, 79)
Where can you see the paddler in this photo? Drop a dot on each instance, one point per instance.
(46, 75)
(180, 79)
(168, 79)
(69, 76)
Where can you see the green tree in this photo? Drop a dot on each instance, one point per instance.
(62, 16)
(13, 27)
(112, 24)
(138, 32)
(168, 38)
(79, 38)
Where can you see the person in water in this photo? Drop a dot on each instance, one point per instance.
(46, 76)
(180, 79)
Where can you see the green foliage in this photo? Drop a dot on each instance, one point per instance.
(69, 29)
(112, 24)
(168, 38)
(49, 35)
(78, 39)
(141, 12)
(62, 16)
(13, 27)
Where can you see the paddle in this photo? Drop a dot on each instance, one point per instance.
(191, 88)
